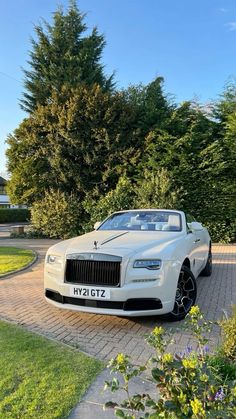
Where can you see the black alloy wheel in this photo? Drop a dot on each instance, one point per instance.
(186, 294)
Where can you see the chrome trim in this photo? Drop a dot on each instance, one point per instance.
(94, 256)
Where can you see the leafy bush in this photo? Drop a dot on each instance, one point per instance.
(151, 191)
(30, 234)
(57, 215)
(224, 366)
(229, 336)
(14, 215)
(121, 198)
(154, 190)
(220, 231)
(189, 387)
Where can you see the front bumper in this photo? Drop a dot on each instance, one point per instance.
(154, 296)
(131, 307)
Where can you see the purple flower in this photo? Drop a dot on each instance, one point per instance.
(219, 394)
(206, 349)
(189, 349)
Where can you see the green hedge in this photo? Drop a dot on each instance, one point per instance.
(14, 215)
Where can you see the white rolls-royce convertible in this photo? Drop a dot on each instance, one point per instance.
(135, 263)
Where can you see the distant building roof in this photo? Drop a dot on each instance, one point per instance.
(2, 181)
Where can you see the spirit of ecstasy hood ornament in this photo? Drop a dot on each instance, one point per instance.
(95, 245)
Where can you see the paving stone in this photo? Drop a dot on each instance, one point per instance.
(90, 408)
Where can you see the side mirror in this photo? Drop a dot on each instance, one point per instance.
(195, 226)
(97, 224)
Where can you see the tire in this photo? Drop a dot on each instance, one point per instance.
(186, 295)
(207, 271)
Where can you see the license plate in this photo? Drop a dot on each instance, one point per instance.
(90, 293)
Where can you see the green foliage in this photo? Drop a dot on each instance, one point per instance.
(86, 142)
(224, 366)
(151, 191)
(188, 385)
(221, 231)
(151, 104)
(57, 215)
(121, 198)
(199, 158)
(12, 215)
(229, 336)
(63, 55)
(40, 378)
(29, 234)
(155, 190)
(82, 135)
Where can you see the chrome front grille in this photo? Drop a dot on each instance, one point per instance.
(93, 272)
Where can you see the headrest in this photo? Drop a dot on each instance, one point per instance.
(173, 220)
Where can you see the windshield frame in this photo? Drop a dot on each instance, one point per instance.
(171, 212)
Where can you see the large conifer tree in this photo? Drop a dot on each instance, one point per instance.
(63, 56)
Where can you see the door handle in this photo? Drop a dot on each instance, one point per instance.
(197, 240)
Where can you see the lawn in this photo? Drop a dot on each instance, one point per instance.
(13, 258)
(40, 378)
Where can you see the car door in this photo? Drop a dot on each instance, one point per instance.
(197, 242)
(203, 246)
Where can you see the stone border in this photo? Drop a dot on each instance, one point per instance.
(24, 267)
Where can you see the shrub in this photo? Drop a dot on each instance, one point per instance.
(220, 231)
(30, 234)
(189, 387)
(154, 190)
(223, 366)
(57, 215)
(121, 198)
(14, 215)
(229, 336)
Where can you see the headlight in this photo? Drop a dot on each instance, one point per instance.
(54, 260)
(148, 264)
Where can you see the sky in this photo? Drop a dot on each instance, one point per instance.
(191, 43)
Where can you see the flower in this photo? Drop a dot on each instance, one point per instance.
(197, 408)
(189, 349)
(189, 363)
(220, 395)
(206, 349)
(120, 358)
(167, 358)
(158, 331)
(194, 311)
(204, 378)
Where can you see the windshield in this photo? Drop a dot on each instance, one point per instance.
(143, 221)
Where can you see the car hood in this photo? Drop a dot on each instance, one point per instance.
(120, 243)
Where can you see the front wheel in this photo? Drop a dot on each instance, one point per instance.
(185, 297)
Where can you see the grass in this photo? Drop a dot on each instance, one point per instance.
(39, 378)
(13, 258)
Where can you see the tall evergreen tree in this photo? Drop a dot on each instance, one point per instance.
(63, 55)
(153, 108)
(75, 146)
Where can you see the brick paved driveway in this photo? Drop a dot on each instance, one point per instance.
(22, 301)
